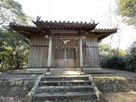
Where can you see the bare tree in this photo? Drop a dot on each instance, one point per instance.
(112, 20)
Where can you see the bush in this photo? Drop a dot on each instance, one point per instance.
(115, 62)
(132, 59)
(111, 58)
(103, 61)
(13, 50)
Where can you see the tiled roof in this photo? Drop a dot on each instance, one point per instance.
(46, 26)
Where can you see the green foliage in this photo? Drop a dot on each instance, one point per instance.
(13, 46)
(11, 10)
(111, 58)
(122, 52)
(116, 62)
(132, 59)
(13, 50)
(105, 53)
(127, 9)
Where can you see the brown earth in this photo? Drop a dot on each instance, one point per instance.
(120, 97)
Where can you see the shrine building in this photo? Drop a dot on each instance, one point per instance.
(63, 44)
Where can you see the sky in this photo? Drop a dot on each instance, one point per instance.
(68, 10)
(78, 10)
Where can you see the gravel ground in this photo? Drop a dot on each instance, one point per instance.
(17, 74)
(22, 74)
(116, 73)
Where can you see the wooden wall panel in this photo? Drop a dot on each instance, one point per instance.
(38, 57)
(77, 58)
(92, 52)
(39, 51)
(30, 57)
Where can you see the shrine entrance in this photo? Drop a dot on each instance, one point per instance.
(65, 57)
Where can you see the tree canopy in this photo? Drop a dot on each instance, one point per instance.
(13, 50)
(11, 10)
(127, 9)
(13, 46)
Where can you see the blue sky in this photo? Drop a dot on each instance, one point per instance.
(78, 10)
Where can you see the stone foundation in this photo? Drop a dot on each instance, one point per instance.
(14, 90)
(115, 84)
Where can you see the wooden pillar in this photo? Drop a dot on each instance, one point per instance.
(77, 59)
(81, 55)
(49, 56)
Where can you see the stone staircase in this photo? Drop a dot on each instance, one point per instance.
(65, 89)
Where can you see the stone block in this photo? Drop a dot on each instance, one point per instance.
(1, 82)
(14, 88)
(19, 89)
(13, 94)
(5, 93)
(25, 82)
(23, 93)
(19, 82)
(25, 88)
(107, 85)
(6, 83)
(12, 83)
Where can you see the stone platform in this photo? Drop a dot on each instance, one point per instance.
(20, 83)
(68, 71)
(63, 88)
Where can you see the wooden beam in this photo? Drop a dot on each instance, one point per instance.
(64, 31)
(65, 37)
(43, 30)
(66, 46)
(103, 34)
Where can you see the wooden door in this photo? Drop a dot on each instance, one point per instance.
(70, 57)
(60, 56)
(65, 57)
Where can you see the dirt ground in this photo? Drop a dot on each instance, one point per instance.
(121, 97)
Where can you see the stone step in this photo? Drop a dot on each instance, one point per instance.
(67, 97)
(64, 89)
(65, 83)
(58, 78)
